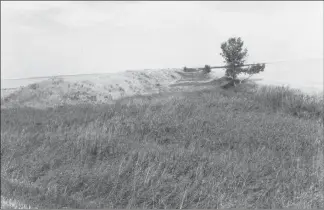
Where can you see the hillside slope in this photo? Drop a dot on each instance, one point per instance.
(212, 148)
(95, 89)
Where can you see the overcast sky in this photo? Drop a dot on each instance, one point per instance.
(52, 38)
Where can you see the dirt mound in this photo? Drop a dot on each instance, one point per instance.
(7, 91)
(103, 88)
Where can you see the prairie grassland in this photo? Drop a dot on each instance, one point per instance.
(239, 148)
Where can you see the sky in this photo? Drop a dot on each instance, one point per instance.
(60, 37)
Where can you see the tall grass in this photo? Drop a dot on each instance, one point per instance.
(291, 101)
(204, 149)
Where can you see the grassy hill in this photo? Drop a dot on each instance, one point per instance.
(244, 147)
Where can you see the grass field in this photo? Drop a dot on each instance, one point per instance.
(239, 148)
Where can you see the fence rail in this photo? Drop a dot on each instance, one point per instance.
(270, 62)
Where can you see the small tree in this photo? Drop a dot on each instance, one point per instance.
(235, 55)
(207, 69)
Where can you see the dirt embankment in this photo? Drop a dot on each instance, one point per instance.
(103, 88)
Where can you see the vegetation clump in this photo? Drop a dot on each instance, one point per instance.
(234, 55)
(207, 69)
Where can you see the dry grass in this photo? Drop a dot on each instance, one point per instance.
(95, 89)
(13, 204)
(291, 101)
(211, 148)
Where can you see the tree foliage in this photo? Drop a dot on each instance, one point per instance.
(207, 69)
(234, 55)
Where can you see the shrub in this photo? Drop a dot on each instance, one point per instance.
(33, 86)
(207, 69)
